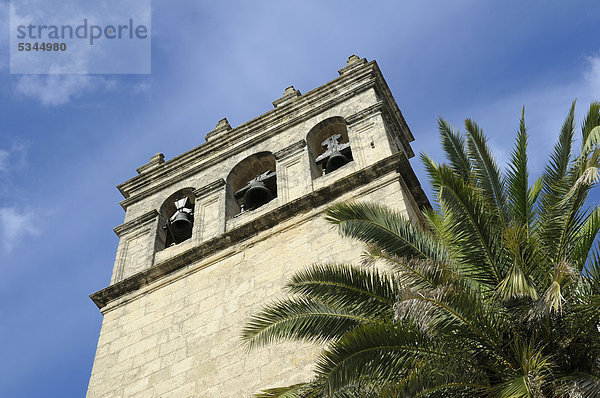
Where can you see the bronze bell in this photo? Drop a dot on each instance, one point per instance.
(259, 191)
(181, 225)
(335, 161)
(336, 154)
(257, 195)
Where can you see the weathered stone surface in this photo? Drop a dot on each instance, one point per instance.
(172, 317)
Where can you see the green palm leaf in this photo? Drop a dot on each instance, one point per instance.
(391, 231)
(345, 287)
(486, 169)
(381, 351)
(518, 179)
(300, 319)
(475, 238)
(454, 146)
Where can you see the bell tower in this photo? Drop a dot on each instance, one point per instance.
(213, 233)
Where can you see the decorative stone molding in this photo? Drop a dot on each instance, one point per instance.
(293, 180)
(209, 188)
(354, 61)
(209, 211)
(364, 114)
(222, 127)
(154, 162)
(136, 245)
(136, 223)
(289, 94)
(395, 129)
(290, 150)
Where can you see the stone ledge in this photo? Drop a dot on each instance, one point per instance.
(289, 94)
(290, 150)
(154, 162)
(135, 223)
(397, 162)
(208, 189)
(365, 113)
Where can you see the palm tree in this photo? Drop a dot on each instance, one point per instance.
(498, 295)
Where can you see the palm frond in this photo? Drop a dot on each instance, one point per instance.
(298, 318)
(415, 273)
(486, 169)
(589, 130)
(379, 351)
(346, 287)
(518, 179)
(585, 239)
(552, 301)
(556, 214)
(475, 238)
(454, 145)
(455, 390)
(580, 384)
(518, 283)
(391, 231)
(456, 311)
(560, 157)
(293, 391)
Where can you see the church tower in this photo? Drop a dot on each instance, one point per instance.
(211, 235)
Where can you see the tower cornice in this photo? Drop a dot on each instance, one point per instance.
(231, 141)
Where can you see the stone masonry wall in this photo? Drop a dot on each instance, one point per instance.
(179, 337)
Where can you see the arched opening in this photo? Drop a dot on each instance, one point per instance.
(329, 146)
(177, 218)
(251, 184)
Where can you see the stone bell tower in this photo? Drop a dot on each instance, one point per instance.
(211, 235)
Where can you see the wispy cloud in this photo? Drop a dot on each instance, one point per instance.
(12, 158)
(54, 90)
(16, 222)
(546, 106)
(593, 75)
(15, 225)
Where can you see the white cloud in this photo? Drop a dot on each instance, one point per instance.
(593, 75)
(16, 225)
(53, 90)
(13, 158)
(142, 87)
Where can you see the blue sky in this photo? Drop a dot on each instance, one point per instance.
(67, 140)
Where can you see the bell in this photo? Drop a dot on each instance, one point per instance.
(257, 195)
(181, 226)
(335, 161)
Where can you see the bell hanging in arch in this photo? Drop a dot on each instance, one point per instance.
(259, 191)
(336, 155)
(182, 221)
(257, 195)
(335, 161)
(181, 225)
